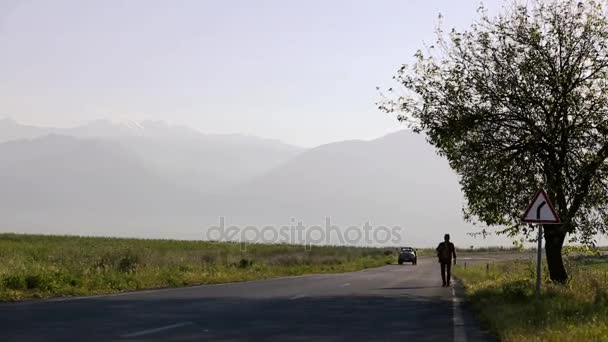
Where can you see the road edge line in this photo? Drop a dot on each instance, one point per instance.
(460, 334)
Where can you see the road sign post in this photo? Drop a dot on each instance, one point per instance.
(539, 259)
(540, 211)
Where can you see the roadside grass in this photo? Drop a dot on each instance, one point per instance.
(504, 299)
(37, 266)
(474, 251)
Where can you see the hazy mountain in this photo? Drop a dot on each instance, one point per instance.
(68, 185)
(183, 156)
(150, 129)
(396, 180)
(103, 129)
(11, 130)
(209, 165)
(146, 186)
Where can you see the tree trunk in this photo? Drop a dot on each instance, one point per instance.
(554, 240)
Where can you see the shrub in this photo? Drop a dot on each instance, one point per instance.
(245, 263)
(128, 264)
(517, 290)
(208, 259)
(14, 282)
(35, 282)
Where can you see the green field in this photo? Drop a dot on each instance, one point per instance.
(34, 266)
(505, 301)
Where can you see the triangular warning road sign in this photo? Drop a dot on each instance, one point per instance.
(540, 210)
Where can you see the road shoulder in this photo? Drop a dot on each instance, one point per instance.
(467, 328)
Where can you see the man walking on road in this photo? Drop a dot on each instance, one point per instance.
(445, 251)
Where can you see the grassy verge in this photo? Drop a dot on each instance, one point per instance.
(34, 266)
(504, 299)
(464, 252)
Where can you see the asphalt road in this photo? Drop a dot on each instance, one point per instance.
(393, 302)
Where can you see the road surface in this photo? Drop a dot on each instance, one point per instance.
(393, 302)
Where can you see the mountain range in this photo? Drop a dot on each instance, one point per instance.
(154, 180)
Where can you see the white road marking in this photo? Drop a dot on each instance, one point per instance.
(156, 330)
(345, 285)
(457, 320)
(297, 297)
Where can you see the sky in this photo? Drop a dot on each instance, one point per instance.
(304, 72)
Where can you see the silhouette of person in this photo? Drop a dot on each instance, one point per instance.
(445, 252)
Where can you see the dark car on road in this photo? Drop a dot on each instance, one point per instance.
(407, 254)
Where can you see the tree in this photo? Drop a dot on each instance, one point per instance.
(517, 103)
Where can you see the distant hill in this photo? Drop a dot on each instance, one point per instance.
(104, 128)
(65, 184)
(11, 130)
(393, 180)
(156, 180)
(183, 156)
